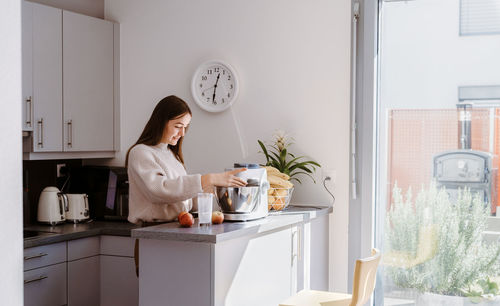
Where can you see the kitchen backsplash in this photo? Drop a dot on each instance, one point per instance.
(38, 174)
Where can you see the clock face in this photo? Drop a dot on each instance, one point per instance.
(214, 86)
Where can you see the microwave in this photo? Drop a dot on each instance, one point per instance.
(107, 190)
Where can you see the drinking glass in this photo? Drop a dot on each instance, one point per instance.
(205, 208)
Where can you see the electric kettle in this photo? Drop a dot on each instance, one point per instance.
(52, 206)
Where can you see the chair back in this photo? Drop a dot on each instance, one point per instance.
(365, 273)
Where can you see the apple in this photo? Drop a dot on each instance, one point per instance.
(217, 217)
(181, 214)
(186, 219)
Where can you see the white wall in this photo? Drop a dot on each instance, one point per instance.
(11, 242)
(293, 60)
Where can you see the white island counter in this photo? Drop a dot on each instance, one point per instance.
(258, 262)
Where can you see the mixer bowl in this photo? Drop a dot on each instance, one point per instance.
(237, 199)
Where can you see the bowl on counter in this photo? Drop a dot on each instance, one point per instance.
(237, 199)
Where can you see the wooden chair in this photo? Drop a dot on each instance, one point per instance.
(426, 250)
(365, 273)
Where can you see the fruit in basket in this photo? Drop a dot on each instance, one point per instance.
(279, 192)
(282, 193)
(275, 172)
(278, 182)
(270, 201)
(279, 204)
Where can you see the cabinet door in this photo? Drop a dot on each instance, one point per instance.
(45, 286)
(88, 83)
(254, 270)
(27, 64)
(119, 284)
(47, 78)
(83, 282)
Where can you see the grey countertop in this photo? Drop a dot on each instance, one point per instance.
(230, 230)
(63, 232)
(172, 231)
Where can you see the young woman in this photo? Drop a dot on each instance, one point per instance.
(159, 187)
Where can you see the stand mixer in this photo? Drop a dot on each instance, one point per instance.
(245, 203)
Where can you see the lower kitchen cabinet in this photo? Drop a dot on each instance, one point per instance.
(119, 284)
(45, 286)
(84, 272)
(83, 282)
(91, 271)
(257, 269)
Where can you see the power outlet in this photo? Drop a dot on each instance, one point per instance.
(59, 166)
(329, 175)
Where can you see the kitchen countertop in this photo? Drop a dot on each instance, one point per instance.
(172, 231)
(64, 232)
(230, 230)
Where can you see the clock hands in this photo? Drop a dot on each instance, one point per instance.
(215, 88)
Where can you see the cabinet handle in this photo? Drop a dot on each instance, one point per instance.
(299, 238)
(35, 279)
(40, 132)
(70, 133)
(28, 111)
(293, 253)
(35, 256)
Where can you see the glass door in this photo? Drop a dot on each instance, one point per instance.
(438, 152)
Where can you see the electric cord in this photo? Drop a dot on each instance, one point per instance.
(328, 190)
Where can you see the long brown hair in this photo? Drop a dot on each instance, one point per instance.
(168, 108)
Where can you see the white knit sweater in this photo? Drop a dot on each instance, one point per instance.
(159, 187)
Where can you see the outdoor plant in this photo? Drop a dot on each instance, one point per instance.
(484, 289)
(459, 258)
(278, 156)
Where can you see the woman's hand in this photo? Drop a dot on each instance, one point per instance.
(223, 179)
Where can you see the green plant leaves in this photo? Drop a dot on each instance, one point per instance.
(461, 259)
(279, 159)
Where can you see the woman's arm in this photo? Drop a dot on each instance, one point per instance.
(223, 179)
(147, 173)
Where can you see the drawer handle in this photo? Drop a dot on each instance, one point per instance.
(35, 256)
(35, 279)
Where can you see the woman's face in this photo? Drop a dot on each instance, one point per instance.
(175, 129)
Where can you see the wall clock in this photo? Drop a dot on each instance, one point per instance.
(214, 86)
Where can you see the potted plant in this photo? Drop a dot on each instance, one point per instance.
(435, 245)
(282, 168)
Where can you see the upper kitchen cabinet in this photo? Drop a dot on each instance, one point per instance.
(46, 98)
(27, 65)
(88, 83)
(69, 84)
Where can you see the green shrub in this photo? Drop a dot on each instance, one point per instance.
(461, 256)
